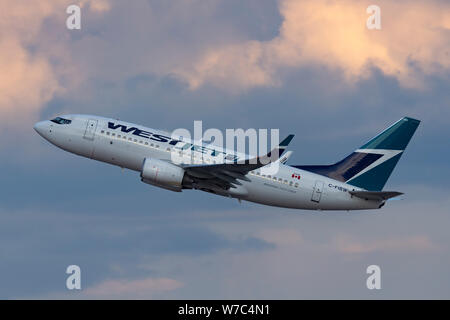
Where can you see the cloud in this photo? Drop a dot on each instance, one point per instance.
(27, 80)
(128, 289)
(35, 61)
(97, 5)
(345, 244)
(122, 288)
(282, 237)
(26, 83)
(314, 255)
(414, 41)
(349, 244)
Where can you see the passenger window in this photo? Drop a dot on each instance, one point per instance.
(129, 139)
(103, 131)
(118, 136)
(135, 140)
(146, 143)
(290, 183)
(141, 141)
(107, 133)
(296, 185)
(113, 134)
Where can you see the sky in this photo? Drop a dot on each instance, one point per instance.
(311, 68)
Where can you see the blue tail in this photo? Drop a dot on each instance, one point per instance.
(370, 166)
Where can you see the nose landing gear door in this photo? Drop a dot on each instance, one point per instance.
(91, 126)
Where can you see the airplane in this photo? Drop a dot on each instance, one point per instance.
(353, 183)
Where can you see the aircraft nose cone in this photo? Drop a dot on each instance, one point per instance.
(40, 127)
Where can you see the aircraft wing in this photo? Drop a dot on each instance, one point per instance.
(226, 175)
(375, 195)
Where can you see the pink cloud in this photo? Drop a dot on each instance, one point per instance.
(282, 237)
(28, 79)
(348, 245)
(334, 34)
(142, 288)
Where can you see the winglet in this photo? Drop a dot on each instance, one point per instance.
(283, 144)
(264, 160)
(285, 158)
(286, 141)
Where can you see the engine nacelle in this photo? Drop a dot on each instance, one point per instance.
(162, 174)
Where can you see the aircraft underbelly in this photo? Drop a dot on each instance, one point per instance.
(301, 198)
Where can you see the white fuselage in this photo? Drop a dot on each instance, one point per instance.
(91, 137)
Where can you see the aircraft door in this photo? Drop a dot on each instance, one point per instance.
(91, 126)
(317, 192)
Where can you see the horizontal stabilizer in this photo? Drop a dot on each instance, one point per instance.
(375, 195)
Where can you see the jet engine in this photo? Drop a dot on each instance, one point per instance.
(162, 174)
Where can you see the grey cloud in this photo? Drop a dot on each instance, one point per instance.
(38, 246)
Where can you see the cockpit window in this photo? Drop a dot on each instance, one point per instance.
(59, 120)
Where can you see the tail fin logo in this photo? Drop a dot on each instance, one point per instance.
(385, 156)
(370, 166)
